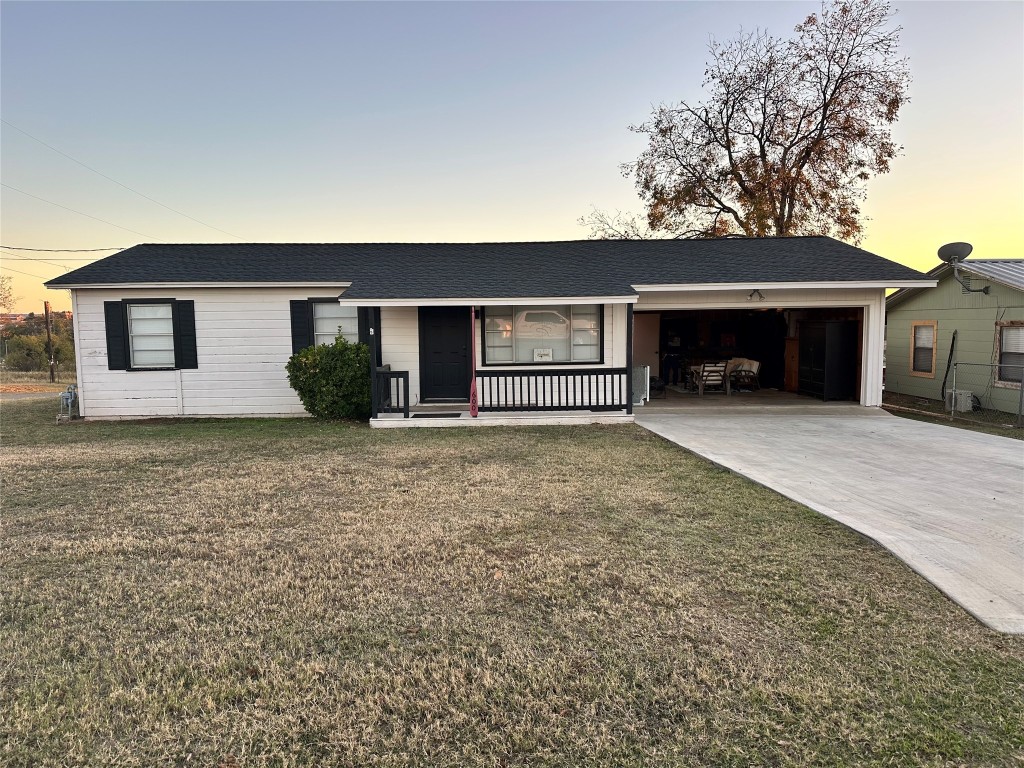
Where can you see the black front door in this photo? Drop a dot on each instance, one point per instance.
(444, 353)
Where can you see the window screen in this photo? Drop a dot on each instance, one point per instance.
(331, 319)
(1011, 353)
(556, 333)
(924, 348)
(151, 335)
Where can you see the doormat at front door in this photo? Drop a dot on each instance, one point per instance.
(454, 415)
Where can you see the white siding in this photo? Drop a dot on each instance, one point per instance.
(400, 344)
(243, 340)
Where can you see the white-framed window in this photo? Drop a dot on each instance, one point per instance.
(1010, 345)
(330, 320)
(542, 334)
(151, 335)
(923, 334)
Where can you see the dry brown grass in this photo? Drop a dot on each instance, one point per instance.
(990, 422)
(34, 381)
(283, 593)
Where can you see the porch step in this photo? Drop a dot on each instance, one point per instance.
(520, 419)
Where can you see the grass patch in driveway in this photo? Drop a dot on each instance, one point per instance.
(289, 592)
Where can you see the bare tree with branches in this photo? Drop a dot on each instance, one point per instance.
(788, 136)
(7, 297)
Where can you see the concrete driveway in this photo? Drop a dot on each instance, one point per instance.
(949, 502)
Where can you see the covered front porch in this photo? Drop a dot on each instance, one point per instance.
(596, 359)
(577, 361)
(508, 398)
(501, 362)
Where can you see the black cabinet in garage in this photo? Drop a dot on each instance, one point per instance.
(828, 359)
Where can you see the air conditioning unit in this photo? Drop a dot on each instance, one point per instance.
(964, 401)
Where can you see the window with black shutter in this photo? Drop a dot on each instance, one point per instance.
(150, 334)
(321, 320)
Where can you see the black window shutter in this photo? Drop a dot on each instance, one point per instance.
(185, 353)
(302, 331)
(369, 317)
(117, 342)
(363, 321)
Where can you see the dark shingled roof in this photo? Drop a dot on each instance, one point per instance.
(496, 270)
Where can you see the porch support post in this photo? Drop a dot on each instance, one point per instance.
(629, 358)
(873, 345)
(373, 370)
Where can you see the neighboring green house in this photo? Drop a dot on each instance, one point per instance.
(989, 327)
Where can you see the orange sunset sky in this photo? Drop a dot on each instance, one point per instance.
(438, 122)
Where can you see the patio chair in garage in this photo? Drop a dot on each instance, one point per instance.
(745, 375)
(713, 375)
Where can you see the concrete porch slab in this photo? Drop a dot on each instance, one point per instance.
(519, 419)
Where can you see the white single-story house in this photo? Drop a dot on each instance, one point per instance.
(549, 328)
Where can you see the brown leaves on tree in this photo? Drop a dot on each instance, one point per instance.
(789, 134)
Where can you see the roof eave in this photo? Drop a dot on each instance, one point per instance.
(941, 272)
(459, 301)
(966, 267)
(225, 284)
(807, 285)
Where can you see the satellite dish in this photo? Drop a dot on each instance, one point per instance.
(952, 252)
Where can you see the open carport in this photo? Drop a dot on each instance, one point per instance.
(946, 501)
(789, 345)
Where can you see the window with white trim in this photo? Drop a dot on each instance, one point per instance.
(331, 320)
(151, 335)
(922, 340)
(542, 334)
(1011, 353)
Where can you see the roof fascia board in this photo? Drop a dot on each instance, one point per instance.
(966, 267)
(117, 286)
(490, 302)
(768, 304)
(682, 287)
(942, 272)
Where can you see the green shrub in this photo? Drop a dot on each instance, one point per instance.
(333, 380)
(28, 353)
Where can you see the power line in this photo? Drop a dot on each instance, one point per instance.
(12, 269)
(29, 258)
(33, 258)
(63, 250)
(88, 216)
(108, 178)
(63, 259)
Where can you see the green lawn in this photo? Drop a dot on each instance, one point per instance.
(293, 593)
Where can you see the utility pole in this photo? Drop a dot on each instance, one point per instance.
(49, 342)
